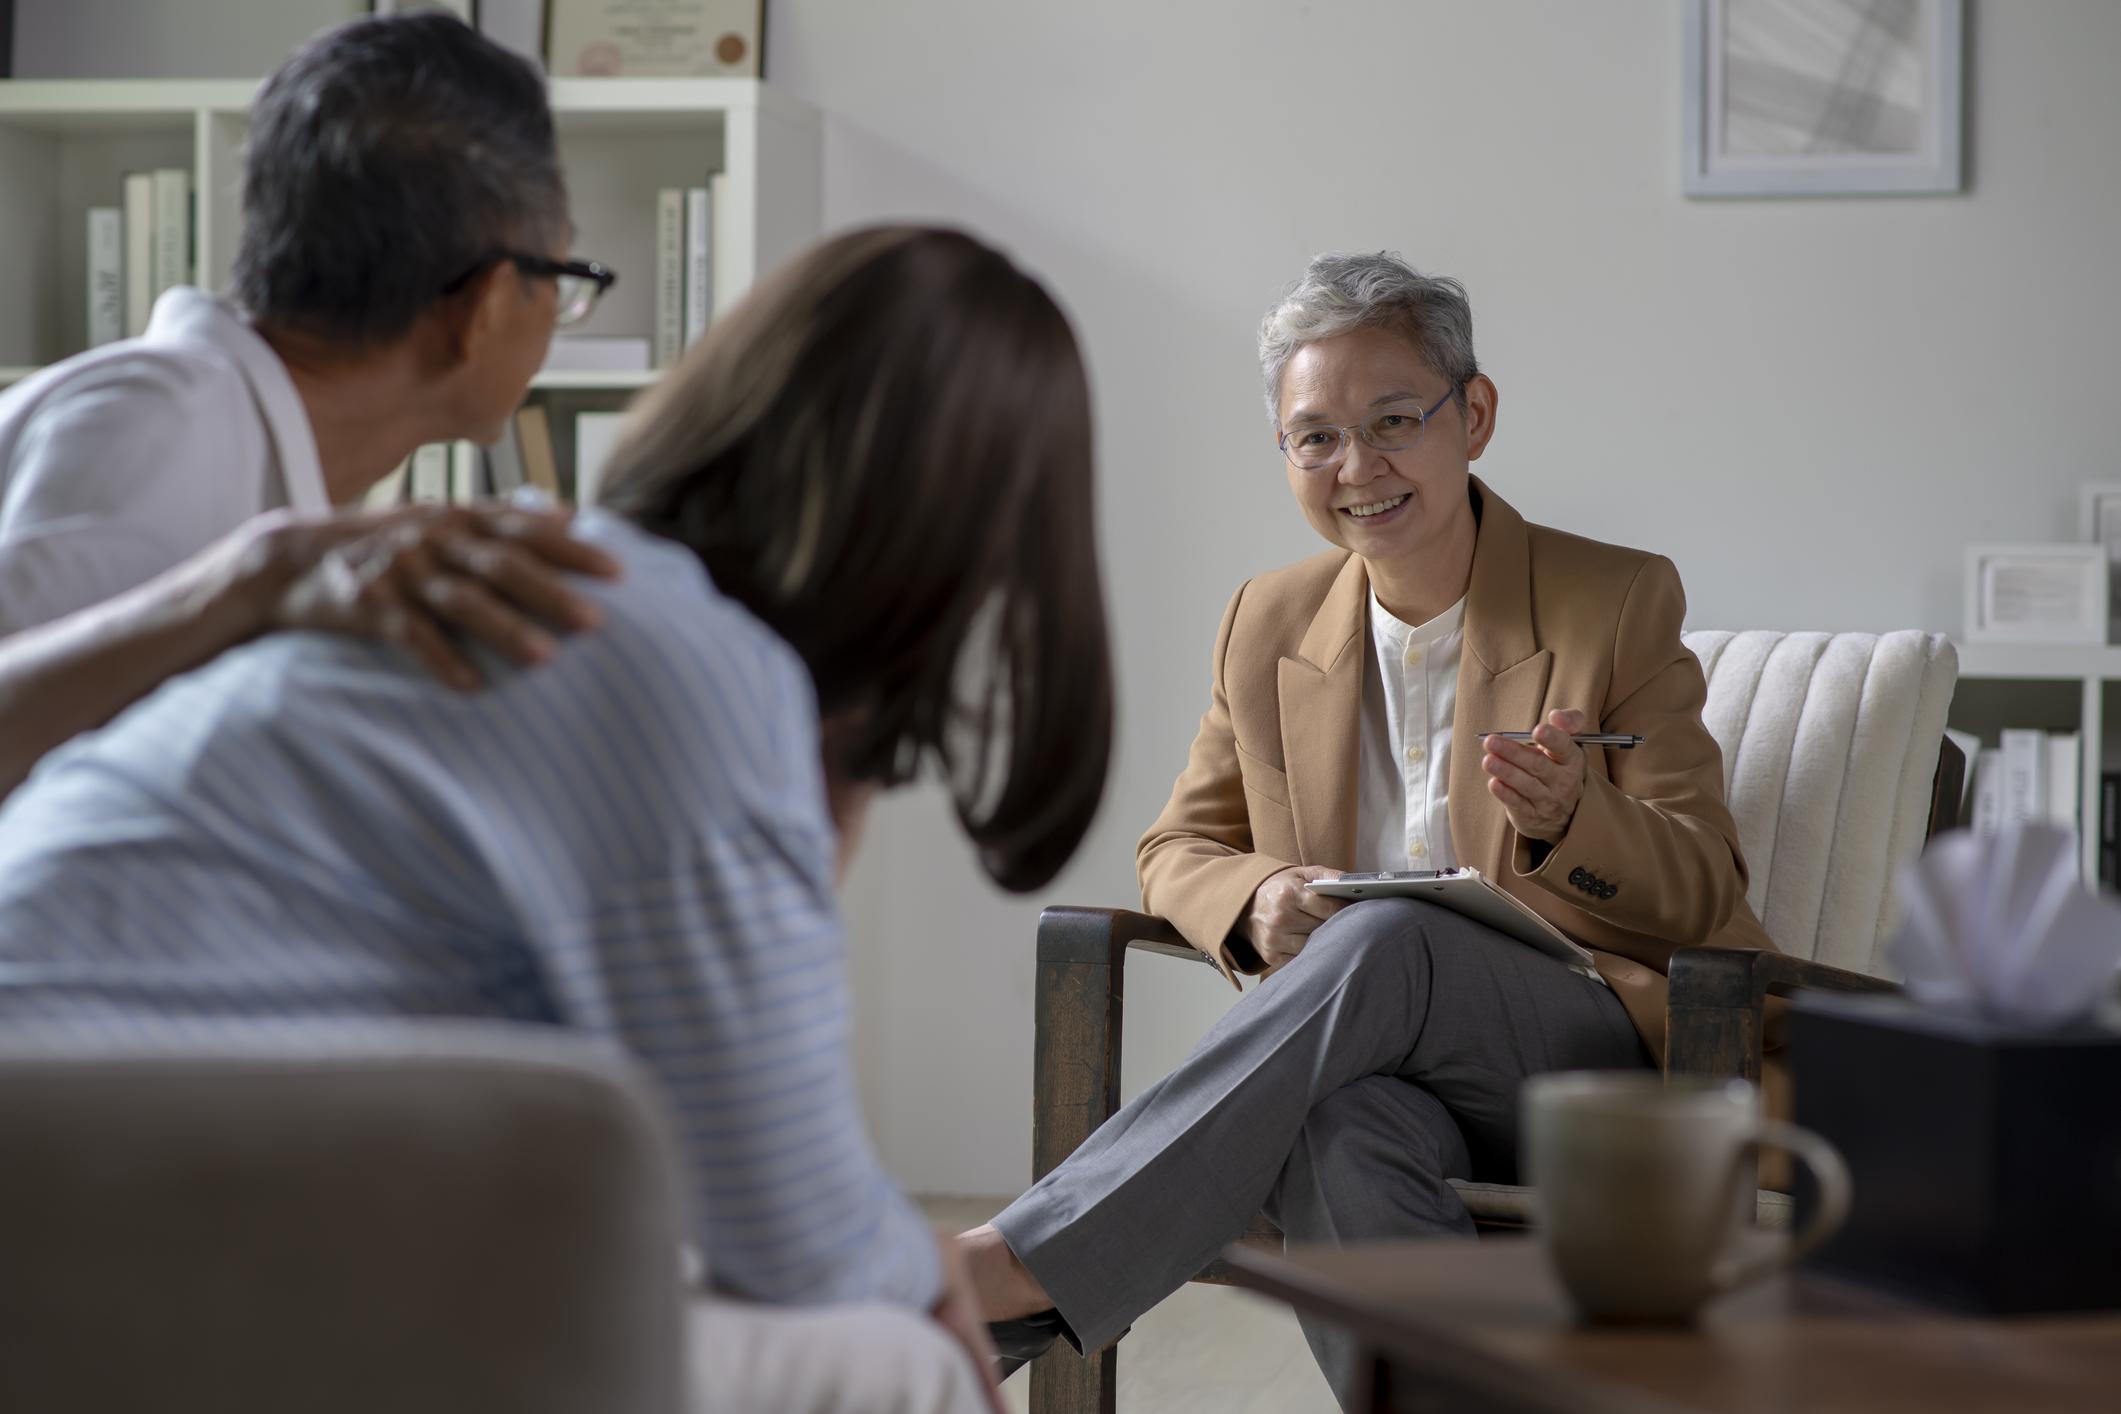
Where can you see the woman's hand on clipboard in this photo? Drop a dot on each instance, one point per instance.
(1283, 912)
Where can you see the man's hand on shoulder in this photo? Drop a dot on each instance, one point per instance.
(428, 579)
(1283, 913)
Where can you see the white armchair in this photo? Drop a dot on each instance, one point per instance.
(1836, 769)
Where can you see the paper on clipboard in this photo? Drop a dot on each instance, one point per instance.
(1465, 890)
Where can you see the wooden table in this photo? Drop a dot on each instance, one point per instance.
(1461, 1325)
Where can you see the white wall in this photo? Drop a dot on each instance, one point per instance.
(1810, 405)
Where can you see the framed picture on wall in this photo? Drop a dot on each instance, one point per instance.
(1823, 97)
(2099, 521)
(2036, 593)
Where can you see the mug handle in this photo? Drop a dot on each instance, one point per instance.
(1831, 1175)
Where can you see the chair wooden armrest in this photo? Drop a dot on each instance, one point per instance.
(1079, 998)
(1718, 996)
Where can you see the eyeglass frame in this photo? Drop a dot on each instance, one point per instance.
(1422, 414)
(599, 274)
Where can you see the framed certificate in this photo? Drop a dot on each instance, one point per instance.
(654, 38)
(2036, 593)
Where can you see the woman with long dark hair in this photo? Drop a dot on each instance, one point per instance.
(853, 534)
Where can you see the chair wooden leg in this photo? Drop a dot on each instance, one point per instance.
(1079, 999)
(1063, 1382)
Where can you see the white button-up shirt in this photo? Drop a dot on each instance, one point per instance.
(1402, 812)
(131, 458)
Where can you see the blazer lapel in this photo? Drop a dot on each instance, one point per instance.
(1502, 679)
(1321, 720)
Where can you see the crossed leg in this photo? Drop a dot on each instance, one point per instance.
(1432, 1019)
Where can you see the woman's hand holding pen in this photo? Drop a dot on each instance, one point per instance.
(1539, 782)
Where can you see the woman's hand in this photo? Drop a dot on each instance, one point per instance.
(1540, 781)
(428, 579)
(957, 1311)
(1283, 913)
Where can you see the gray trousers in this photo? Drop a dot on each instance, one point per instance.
(1339, 1095)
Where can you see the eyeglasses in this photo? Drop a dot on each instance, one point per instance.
(1315, 446)
(580, 283)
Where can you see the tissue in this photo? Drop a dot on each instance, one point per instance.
(1999, 926)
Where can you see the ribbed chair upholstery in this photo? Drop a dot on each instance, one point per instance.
(1829, 748)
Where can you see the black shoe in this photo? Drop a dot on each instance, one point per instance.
(1023, 1340)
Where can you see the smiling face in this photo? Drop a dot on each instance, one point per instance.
(1390, 507)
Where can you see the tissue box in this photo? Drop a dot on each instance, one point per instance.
(1986, 1161)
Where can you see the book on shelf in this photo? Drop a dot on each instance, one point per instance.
(139, 228)
(1969, 745)
(106, 275)
(595, 435)
(597, 353)
(699, 262)
(2024, 775)
(2110, 829)
(467, 483)
(428, 477)
(1986, 815)
(534, 444)
(391, 490)
(669, 275)
(172, 241)
(2065, 758)
(728, 279)
(2033, 776)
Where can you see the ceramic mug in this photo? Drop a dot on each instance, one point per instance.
(1644, 1186)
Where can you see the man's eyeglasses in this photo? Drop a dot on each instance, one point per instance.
(581, 283)
(1315, 446)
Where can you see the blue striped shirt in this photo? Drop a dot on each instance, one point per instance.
(631, 840)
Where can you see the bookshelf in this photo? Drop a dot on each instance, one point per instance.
(2056, 688)
(65, 145)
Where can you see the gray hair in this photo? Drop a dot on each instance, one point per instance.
(1341, 293)
(387, 159)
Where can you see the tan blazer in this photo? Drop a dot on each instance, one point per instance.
(1551, 621)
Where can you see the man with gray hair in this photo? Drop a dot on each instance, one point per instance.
(1360, 720)
(401, 266)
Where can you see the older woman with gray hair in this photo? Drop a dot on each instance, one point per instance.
(1351, 726)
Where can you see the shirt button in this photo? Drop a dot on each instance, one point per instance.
(1416, 849)
(1413, 655)
(1415, 753)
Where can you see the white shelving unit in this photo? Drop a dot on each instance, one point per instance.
(2056, 687)
(66, 144)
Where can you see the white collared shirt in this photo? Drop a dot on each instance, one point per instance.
(129, 459)
(1402, 816)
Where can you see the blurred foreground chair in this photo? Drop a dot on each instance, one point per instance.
(1836, 768)
(420, 1218)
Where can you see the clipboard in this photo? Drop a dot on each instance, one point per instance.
(1464, 890)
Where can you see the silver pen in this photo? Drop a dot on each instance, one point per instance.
(1619, 740)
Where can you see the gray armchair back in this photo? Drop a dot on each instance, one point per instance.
(428, 1217)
